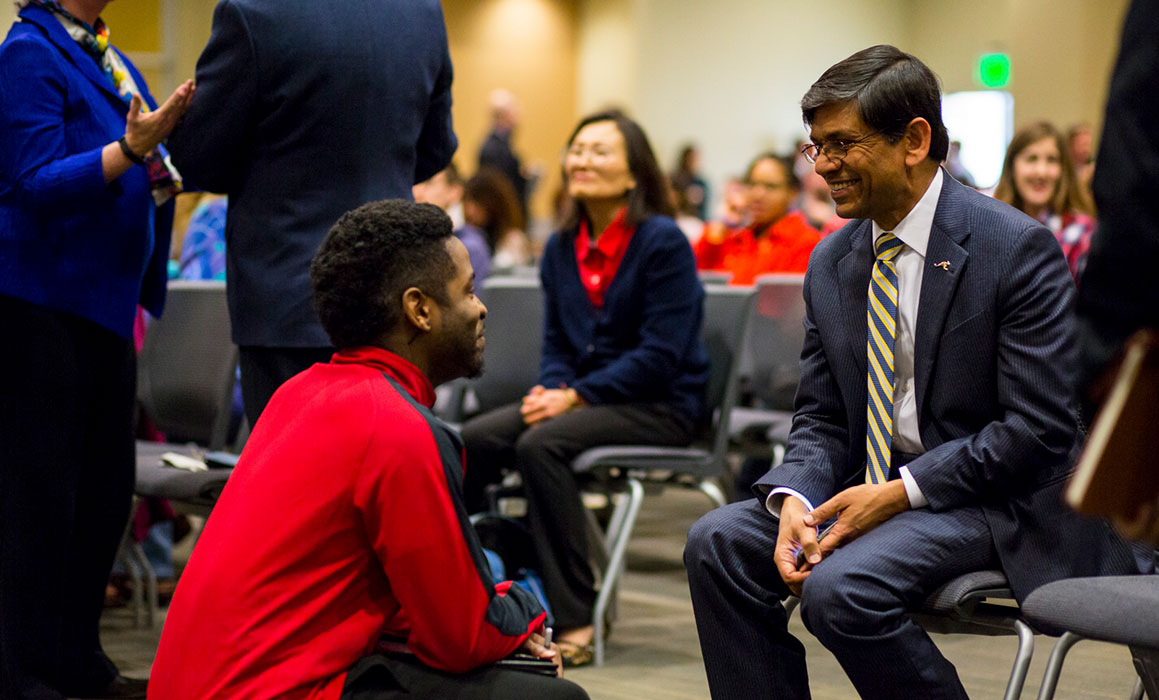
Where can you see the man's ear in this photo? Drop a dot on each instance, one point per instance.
(917, 141)
(416, 307)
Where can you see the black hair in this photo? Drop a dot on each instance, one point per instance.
(650, 195)
(495, 195)
(369, 258)
(786, 164)
(890, 87)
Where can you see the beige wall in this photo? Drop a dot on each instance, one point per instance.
(1061, 51)
(729, 74)
(529, 48)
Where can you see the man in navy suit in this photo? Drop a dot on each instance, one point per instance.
(933, 421)
(306, 109)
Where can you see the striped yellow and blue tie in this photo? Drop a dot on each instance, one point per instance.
(882, 319)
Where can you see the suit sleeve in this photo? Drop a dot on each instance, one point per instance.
(1036, 359)
(411, 503)
(557, 361)
(211, 144)
(817, 453)
(437, 141)
(673, 302)
(44, 176)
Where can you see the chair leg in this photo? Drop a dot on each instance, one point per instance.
(710, 489)
(148, 602)
(622, 501)
(790, 604)
(618, 539)
(1137, 691)
(1054, 664)
(1021, 661)
(1147, 665)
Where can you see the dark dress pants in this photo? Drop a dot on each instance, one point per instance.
(382, 677)
(263, 370)
(854, 602)
(66, 482)
(543, 454)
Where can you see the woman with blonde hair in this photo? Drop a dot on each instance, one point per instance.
(1037, 178)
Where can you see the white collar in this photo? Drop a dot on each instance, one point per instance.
(914, 229)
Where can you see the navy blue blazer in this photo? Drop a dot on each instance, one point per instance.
(305, 110)
(644, 344)
(68, 241)
(994, 358)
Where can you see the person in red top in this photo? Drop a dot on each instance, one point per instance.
(776, 239)
(343, 523)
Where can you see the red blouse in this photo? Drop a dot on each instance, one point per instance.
(598, 263)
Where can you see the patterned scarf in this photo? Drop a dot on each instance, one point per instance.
(164, 179)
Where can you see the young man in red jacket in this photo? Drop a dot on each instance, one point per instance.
(344, 520)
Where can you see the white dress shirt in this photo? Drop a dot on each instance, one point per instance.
(914, 232)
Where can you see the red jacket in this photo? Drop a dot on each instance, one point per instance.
(343, 521)
(785, 247)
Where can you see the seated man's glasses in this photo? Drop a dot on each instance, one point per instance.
(834, 149)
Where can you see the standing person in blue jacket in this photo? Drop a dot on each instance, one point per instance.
(307, 109)
(84, 238)
(622, 363)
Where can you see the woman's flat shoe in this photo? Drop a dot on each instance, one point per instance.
(575, 655)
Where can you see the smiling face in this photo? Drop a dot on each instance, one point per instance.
(770, 193)
(869, 182)
(459, 338)
(596, 164)
(1037, 170)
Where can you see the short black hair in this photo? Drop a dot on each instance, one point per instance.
(891, 89)
(786, 164)
(370, 257)
(650, 195)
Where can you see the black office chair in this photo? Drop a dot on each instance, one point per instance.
(770, 366)
(185, 379)
(1119, 609)
(627, 471)
(980, 603)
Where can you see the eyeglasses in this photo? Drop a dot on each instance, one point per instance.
(766, 186)
(835, 149)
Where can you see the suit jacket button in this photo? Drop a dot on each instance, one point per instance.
(591, 349)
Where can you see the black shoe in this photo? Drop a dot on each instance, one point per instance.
(119, 687)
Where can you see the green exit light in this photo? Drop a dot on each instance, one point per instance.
(994, 70)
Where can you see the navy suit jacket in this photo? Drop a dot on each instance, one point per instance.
(68, 240)
(994, 358)
(304, 110)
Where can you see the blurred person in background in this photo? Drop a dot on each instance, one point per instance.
(85, 216)
(496, 151)
(691, 188)
(275, 127)
(622, 362)
(776, 238)
(1037, 178)
(445, 191)
(490, 207)
(1080, 141)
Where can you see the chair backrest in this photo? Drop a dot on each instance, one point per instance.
(714, 276)
(776, 333)
(726, 317)
(514, 340)
(187, 366)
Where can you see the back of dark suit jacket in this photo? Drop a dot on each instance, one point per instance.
(304, 110)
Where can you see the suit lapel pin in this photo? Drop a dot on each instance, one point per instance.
(945, 265)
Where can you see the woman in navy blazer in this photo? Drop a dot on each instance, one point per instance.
(82, 242)
(622, 361)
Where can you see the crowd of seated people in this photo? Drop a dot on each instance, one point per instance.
(623, 363)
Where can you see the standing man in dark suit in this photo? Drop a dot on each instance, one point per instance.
(306, 109)
(933, 421)
(496, 151)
